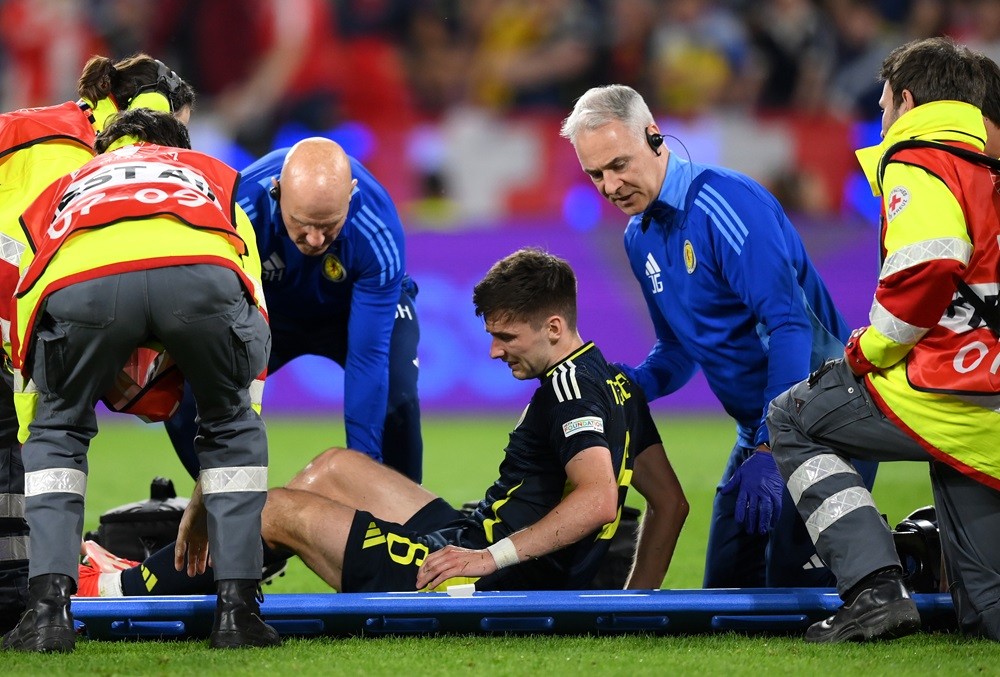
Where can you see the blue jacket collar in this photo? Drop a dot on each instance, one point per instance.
(673, 192)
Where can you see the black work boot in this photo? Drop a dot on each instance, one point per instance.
(883, 611)
(47, 625)
(237, 618)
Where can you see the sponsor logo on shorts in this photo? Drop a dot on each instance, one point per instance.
(578, 425)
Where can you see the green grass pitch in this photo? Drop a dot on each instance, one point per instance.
(461, 457)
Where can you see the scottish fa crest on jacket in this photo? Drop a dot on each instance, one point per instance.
(333, 269)
(690, 262)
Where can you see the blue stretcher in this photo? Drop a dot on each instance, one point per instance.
(788, 610)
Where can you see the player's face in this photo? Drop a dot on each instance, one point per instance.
(523, 346)
(312, 222)
(622, 166)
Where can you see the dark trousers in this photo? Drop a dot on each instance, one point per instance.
(13, 526)
(785, 557)
(402, 442)
(83, 337)
(817, 430)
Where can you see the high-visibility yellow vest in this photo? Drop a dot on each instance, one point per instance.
(936, 363)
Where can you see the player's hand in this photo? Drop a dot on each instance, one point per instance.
(191, 548)
(452, 561)
(760, 487)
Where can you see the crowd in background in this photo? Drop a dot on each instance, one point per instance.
(437, 96)
(258, 64)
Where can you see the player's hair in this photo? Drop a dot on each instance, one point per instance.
(991, 100)
(528, 285)
(146, 125)
(934, 69)
(601, 105)
(122, 80)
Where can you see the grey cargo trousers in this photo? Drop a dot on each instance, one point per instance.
(819, 423)
(83, 336)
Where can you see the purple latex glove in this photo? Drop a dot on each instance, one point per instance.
(760, 489)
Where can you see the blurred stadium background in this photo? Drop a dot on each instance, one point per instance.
(455, 105)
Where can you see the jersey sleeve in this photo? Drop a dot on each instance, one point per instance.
(667, 367)
(646, 433)
(379, 236)
(747, 228)
(927, 245)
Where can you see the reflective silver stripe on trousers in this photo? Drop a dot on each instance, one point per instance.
(245, 478)
(815, 470)
(55, 481)
(13, 548)
(835, 507)
(12, 505)
(894, 328)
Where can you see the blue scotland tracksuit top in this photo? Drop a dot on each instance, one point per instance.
(356, 283)
(730, 290)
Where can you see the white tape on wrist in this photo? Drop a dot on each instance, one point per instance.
(504, 553)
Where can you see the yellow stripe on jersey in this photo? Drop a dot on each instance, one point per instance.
(624, 482)
(488, 524)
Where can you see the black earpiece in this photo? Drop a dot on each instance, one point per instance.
(167, 85)
(654, 140)
(275, 191)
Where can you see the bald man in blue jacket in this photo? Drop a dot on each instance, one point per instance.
(333, 255)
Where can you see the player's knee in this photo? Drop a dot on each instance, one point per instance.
(329, 465)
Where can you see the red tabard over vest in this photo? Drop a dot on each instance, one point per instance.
(130, 184)
(23, 128)
(962, 359)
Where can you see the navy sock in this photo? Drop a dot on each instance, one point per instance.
(157, 576)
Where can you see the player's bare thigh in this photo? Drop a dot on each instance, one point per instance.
(314, 528)
(355, 480)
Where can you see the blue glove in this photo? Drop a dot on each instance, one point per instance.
(760, 489)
